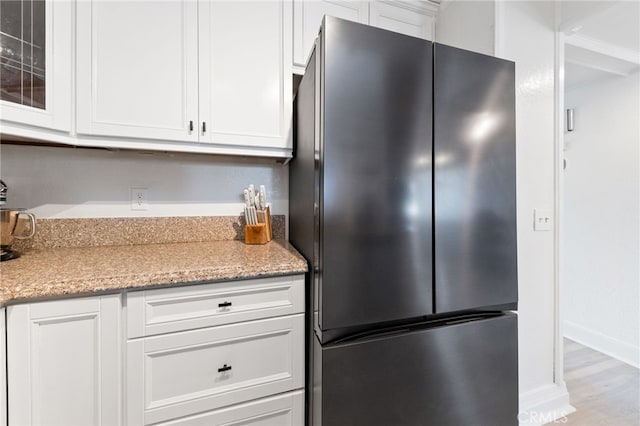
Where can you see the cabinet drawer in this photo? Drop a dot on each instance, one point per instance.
(185, 373)
(197, 306)
(281, 410)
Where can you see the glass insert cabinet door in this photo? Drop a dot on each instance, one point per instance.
(22, 52)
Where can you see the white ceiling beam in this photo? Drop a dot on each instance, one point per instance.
(598, 67)
(583, 14)
(603, 48)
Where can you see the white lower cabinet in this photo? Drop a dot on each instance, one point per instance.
(209, 354)
(168, 310)
(179, 374)
(220, 353)
(281, 410)
(3, 371)
(64, 362)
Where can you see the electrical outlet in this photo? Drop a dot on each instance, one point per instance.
(139, 199)
(542, 220)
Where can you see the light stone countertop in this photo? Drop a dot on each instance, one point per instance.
(52, 273)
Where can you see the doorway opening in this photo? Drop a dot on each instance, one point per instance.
(599, 187)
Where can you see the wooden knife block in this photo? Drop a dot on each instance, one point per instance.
(260, 233)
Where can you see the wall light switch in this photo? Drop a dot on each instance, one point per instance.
(542, 220)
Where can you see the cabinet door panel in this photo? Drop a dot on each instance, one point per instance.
(55, 89)
(415, 22)
(63, 361)
(169, 310)
(308, 17)
(137, 69)
(180, 374)
(281, 410)
(245, 73)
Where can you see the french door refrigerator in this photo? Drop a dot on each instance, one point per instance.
(402, 199)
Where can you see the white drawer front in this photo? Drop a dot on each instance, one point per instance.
(281, 410)
(185, 373)
(168, 310)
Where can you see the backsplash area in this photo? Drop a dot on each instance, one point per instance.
(92, 232)
(56, 182)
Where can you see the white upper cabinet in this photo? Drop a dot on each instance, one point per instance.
(209, 76)
(137, 69)
(245, 73)
(414, 18)
(36, 52)
(214, 76)
(308, 17)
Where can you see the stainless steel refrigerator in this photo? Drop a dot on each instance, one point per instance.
(403, 200)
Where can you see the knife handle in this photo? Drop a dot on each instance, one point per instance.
(263, 197)
(252, 195)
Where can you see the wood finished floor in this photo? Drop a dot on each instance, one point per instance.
(603, 390)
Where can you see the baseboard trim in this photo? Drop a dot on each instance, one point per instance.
(547, 404)
(615, 348)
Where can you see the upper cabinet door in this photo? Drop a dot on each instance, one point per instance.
(137, 73)
(245, 73)
(412, 18)
(35, 87)
(308, 17)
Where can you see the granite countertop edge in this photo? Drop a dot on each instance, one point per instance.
(53, 274)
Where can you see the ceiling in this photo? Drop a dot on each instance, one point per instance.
(618, 25)
(614, 23)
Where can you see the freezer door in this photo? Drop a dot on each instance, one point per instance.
(475, 181)
(376, 207)
(463, 374)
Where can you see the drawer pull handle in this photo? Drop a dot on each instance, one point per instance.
(224, 304)
(224, 368)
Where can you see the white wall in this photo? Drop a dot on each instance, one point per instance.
(57, 182)
(601, 280)
(466, 24)
(525, 34)
(530, 43)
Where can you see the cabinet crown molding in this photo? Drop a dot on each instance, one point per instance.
(423, 6)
